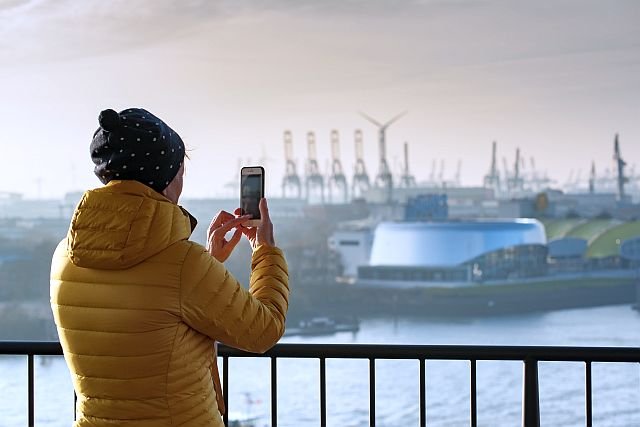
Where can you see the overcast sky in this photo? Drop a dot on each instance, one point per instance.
(555, 78)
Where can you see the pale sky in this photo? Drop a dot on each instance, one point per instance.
(555, 78)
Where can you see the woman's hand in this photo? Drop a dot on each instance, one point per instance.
(217, 245)
(263, 233)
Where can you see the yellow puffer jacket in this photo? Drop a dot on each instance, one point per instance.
(138, 307)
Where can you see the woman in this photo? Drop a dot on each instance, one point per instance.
(137, 305)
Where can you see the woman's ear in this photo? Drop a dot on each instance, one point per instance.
(174, 189)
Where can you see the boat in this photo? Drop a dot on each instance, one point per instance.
(245, 419)
(323, 326)
(241, 420)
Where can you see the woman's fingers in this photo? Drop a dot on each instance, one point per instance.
(235, 238)
(220, 219)
(230, 224)
(221, 224)
(225, 222)
(220, 248)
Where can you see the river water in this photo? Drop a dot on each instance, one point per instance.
(616, 387)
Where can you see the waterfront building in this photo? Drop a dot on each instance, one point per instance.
(462, 253)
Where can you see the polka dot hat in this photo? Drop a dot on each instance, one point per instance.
(134, 144)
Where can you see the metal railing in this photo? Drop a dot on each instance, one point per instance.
(530, 356)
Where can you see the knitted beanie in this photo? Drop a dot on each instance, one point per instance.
(134, 144)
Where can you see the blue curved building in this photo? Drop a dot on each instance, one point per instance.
(449, 253)
(447, 244)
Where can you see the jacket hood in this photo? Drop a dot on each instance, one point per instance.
(122, 224)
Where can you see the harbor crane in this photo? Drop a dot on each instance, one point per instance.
(314, 182)
(592, 178)
(360, 183)
(492, 179)
(337, 180)
(432, 175)
(384, 179)
(406, 179)
(538, 181)
(456, 178)
(507, 174)
(233, 185)
(291, 187)
(515, 182)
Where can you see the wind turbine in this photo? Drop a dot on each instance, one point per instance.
(620, 164)
(384, 178)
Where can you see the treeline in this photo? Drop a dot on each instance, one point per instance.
(25, 266)
(24, 269)
(24, 288)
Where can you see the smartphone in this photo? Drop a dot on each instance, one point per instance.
(251, 191)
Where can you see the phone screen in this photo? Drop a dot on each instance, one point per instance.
(250, 194)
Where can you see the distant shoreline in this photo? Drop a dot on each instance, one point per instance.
(490, 300)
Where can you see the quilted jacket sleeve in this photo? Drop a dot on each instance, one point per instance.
(214, 303)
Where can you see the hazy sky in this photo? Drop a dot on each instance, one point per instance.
(556, 78)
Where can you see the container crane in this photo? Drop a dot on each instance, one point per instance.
(291, 186)
(314, 182)
(337, 180)
(360, 183)
(406, 179)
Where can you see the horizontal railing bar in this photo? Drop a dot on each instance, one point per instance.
(391, 351)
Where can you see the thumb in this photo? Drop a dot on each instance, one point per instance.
(264, 210)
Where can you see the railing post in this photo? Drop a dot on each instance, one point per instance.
(423, 394)
(372, 392)
(225, 388)
(588, 394)
(473, 392)
(323, 392)
(530, 398)
(274, 392)
(31, 391)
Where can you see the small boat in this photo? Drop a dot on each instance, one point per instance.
(323, 326)
(248, 418)
(241, 420)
